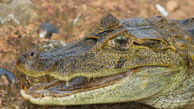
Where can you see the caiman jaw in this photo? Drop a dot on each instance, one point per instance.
(104, 89)
(61, 89)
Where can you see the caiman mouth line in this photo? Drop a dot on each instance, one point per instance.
(76, 85)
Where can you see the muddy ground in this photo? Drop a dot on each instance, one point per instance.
(15, 39)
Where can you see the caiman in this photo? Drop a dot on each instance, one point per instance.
(146, 60)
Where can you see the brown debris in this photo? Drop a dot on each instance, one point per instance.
(0, 102)
(5, 81)
(171, 5)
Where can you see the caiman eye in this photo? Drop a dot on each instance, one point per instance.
(119, 42)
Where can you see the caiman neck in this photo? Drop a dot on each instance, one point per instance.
(177, 97)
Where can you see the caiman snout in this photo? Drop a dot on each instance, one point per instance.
(28, 54)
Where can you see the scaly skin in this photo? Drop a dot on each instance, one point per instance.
(135, 59)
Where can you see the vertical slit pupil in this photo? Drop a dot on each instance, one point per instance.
(121, 41)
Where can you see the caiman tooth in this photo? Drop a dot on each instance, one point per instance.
(22, 85)
(82, 88)
(25, 89)
(27, 78)
(48, 93)
(36, 81)
(67, 83)
(88, 79)
(41, 95)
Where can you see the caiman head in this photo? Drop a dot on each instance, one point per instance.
(119, 61)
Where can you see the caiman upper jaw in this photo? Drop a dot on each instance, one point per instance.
(115, 50)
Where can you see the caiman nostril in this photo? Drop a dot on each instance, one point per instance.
(33, 55)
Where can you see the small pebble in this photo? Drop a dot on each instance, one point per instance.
(162, 10)
(6, 75)
(171, 5)
(5, 81)
(46, 30)
(0, 102)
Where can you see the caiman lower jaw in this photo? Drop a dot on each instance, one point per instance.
(59, 89)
